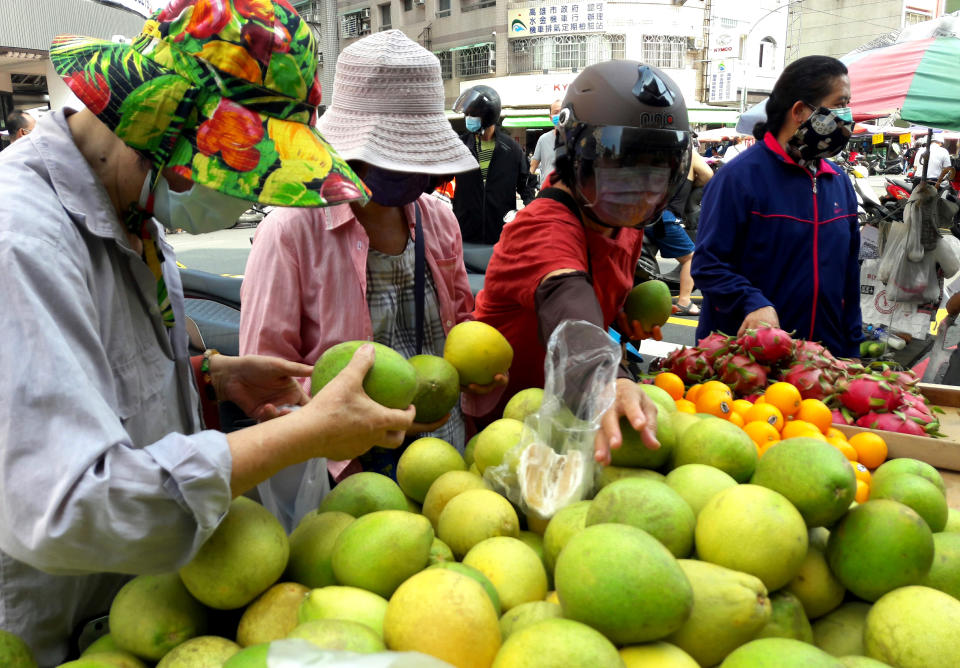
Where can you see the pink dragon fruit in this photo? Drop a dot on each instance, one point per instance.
(905, 379)
(715, 346)
(813, 381)
(811, 351)
(890, 422)
(870, 393)
(769, 345)
(741, 372)
(839, 417)
(915, 401)
(691, 364)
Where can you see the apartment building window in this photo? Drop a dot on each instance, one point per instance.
(665, 51)
(408, 5)
(355, 24)
(446, 63)
(385, 16)
(443, 8)
(768, 53)
(471, 5)
(474, 60)
(911, 18)
(535, 54)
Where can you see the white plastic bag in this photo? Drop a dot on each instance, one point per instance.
(295, 491)
(893, 250)
(296, 653)
(947, 254)
(552, 466)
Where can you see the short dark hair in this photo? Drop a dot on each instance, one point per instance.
(809, 79)
(16, 121)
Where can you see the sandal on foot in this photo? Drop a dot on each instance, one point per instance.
(689, 309)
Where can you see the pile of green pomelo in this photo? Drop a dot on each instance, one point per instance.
(696, 554)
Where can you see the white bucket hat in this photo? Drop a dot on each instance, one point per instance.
(387, 108)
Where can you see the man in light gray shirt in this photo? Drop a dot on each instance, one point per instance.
(545, 153)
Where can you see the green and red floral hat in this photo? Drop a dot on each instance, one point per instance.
(222, 91)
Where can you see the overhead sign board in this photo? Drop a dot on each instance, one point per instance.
(557, 18)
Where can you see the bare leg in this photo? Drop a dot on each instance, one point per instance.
(686, 280)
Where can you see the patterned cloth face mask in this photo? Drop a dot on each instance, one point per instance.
(823, 135)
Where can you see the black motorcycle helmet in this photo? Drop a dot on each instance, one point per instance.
(624, 132)
(480, 101)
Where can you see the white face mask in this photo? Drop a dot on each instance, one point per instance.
(197, 210)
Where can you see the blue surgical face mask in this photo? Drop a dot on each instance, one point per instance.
(843, 113)
(555, 119)
(197, 210)
(390, 188)
(473, 123)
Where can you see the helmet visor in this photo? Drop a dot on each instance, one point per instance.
(471, 103)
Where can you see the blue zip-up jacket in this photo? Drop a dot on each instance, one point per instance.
(773, 234)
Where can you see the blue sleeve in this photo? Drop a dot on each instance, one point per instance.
(724, 217)
(851, 292)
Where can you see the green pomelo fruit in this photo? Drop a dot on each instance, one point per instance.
(914, 492)
(438, 387)
(623, 582)
(717, 443)
(247, 553)
(815, 584)
(649, 303)
(525, 614)
(557, 643)
(908, 465)
(311, 548)
(498, 438)
(152, 614)
(273, 615)
(358, 605)
(729, 609)
(340, 634)
(474, 574)
(649, 505)
(953, 521)
(841, 632)
(102, 644)
(200, 652)
(567, 522)
(534, 541)
(523, 403)
(633, 452)
(914, 627)
(468, 450)
(115, 659)
(439, 551)
(249, 657)
(473, 516)
(779, 653)
(391, 381)
(609, 474)
(697, 483)
(425, 460)
(814, 476)
(945, 572)
(380, 550)
(444, 488)
(879, 546)
(656, 655)
(862, 662)
(14, 652)
(755, 530)
(665, 403)
(788, 619)
(682, 422)
(513, 567)
(364, 493)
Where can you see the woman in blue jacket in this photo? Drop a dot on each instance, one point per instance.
(778, 242)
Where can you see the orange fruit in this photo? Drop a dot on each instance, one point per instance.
(861, 472)
(871, 448)
(784, 396)
(760, 400)
(863, 492)
(741, 406)
(765, 413)
(714, 402)
(815, 412)
(848, 451)
(718, 386)
(693, 392)
(816, 435)
(670, 382)
(736, 418)
(796, 428)
(762, 433)
(686, 406)
(833, 432)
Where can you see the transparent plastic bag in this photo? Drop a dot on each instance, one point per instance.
(947, 254)
(296, 653)
(295, 491)
(893, 251)
(914, 281)
(552, 466)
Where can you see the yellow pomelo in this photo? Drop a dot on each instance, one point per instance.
(914, 492)
(945, 572)
(534, 541)
(649, 303)
(953, 521)
(425, 460)
(14, 653)
(380, 550)
(444, 614)
(523, 403)
(339, 634)
(815, 585)
(444, 488)
(438, 387)
(567, 522)
(115, 659)
(474, 574)
(755, 530)
(623, 582)
(861, 662)
(526, 614)
(468, 450)
(840, 633)
(478, 351)
(311, 548)
(718, 443)
(779, 653)
(100, 645)
(200, 652)
(498, 438)
(247, 553)
(557, 643)
(536, 524)
(609, 474)
(697, 483)
(391, 381)
(656, 655)
(273, 615)
(513, 568)
(473, 516)
(914, 627)
(351, 603)
(152, 614)
(364, 493)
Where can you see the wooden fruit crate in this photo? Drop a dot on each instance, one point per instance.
(943, 453)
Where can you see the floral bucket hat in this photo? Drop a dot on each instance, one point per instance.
(222, 91)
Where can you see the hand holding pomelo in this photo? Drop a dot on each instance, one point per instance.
(478, 351)
(391, 381)
(649, 304)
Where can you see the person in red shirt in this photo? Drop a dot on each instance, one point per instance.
(623, 150)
